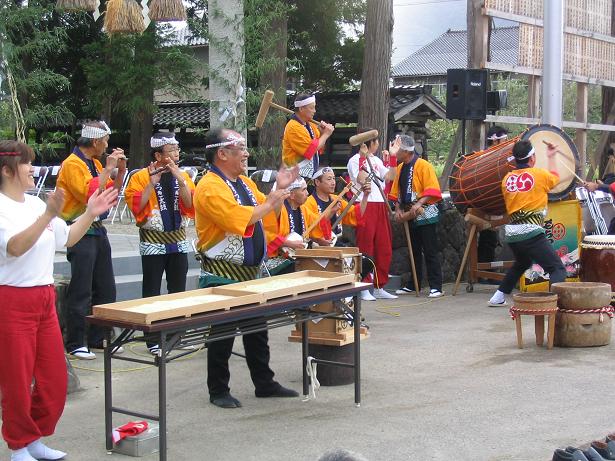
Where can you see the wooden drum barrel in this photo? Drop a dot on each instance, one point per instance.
(476, 179)
(583, 318)
(598, 259)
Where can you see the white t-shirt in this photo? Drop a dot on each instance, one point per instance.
(35, 266)
(379, 169)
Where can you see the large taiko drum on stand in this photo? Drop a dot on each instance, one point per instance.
(598, 259)
(476, 179)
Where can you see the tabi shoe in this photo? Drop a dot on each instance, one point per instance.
(21, 455)
(405, 291)
(569, 454)
(277, 391)
(82, 353)
(599, 451)
(225, 401)
(435, 293)
(39, 450)
(367, 296)
(381, 293)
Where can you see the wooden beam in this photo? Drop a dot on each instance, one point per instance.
(536, 71)
(450, 160)
(511, 119)
(539, 23)
(580, 139)
(533, 99)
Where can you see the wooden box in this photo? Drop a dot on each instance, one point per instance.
(147, 310)
(329, 332)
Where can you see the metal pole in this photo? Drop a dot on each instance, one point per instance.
(553, 62)
(108, 392)
(304, 359)
(357, 350)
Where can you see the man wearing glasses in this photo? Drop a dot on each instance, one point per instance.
(160, 198)
(231, 239)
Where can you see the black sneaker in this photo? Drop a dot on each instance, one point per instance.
(225, 401)
(277, 391)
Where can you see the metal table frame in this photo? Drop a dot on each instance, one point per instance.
(176, 333)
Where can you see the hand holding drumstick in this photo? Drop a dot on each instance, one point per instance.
(551, 151)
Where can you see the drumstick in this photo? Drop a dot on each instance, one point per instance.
(557, 151)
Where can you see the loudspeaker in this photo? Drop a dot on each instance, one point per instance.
(466, 94)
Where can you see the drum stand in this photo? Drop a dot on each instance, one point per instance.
(477, 220)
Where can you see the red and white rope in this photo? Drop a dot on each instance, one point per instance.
(514, 311)
(608, 310)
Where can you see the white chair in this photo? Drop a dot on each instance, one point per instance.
(192, 171)
(39, 174)
(121, 197)
(50, 181)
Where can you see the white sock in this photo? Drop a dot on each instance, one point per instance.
(21, 455)
(39, 450)
(497, 298)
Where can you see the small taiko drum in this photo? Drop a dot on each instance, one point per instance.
(598, 259)
(476, 179)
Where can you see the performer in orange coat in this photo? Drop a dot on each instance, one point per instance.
(303, 140)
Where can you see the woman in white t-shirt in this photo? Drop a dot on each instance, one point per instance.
(31, 347)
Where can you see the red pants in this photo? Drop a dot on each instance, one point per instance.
(374, 240)
(30, 348)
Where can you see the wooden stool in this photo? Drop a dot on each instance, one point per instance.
(539, 305)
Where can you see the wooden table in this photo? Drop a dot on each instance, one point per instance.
(176, 333)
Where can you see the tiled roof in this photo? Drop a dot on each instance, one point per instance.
(333, 107)
(184, 37)
(182, 114)
(343, 107)
(449, 51)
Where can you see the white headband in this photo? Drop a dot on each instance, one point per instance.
(305, 102)
(159, 142)
(298, 183)
(495, 137)
(92, 132)
(231, 140)
(529, 154)
(319, 173)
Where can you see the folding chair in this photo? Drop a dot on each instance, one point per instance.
(40, 174)
(121, 197)
(192, 171)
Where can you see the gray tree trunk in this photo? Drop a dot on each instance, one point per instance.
(227, 87)
(374, 99)
(270, 135)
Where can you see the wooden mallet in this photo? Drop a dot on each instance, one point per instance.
(266, 104)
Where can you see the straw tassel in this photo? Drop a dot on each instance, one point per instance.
(123, 16)
(76, 5)
(167, 10)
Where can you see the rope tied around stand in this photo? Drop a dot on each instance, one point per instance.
(608, 310)
(311, 372)
(515, 311)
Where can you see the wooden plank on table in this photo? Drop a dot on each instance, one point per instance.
(184, 304)
(324, 252)
(293, 284)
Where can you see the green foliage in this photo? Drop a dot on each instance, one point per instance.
(325, 46)
(33, 37)
(47, 149)
(123, 70)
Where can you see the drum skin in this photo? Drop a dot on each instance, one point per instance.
(476, 179)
